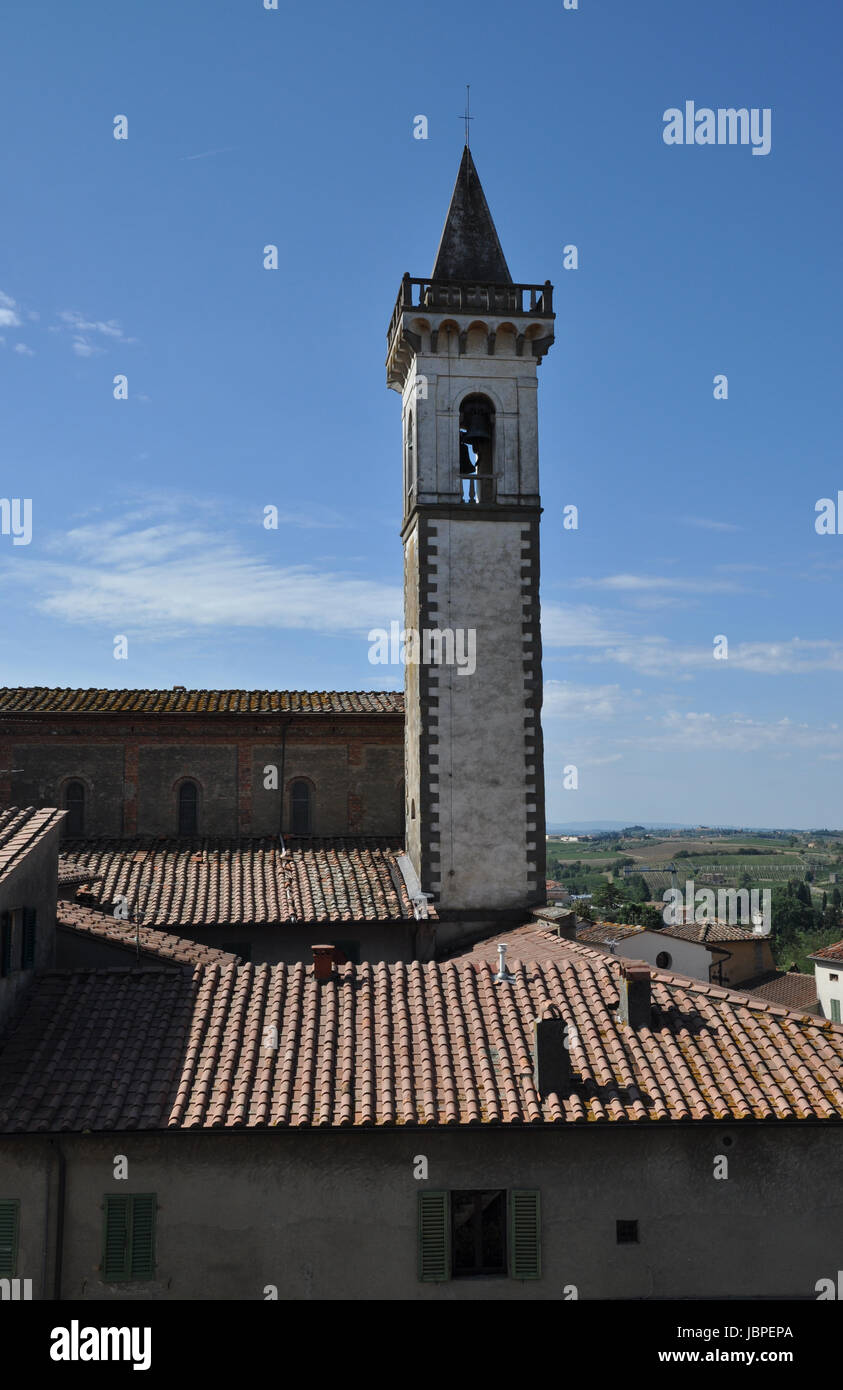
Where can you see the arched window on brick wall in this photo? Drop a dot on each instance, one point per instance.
(301, 807)
(74, 800)
(188, 808)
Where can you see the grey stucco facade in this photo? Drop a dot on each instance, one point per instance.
(333, 1215)
(30, 884)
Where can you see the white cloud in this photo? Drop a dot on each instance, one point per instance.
(83, 330)
(567, 700)
(631, 582)
(706, 525)
(23, 350)
(9, 317)
(170, 578)
(739, 733)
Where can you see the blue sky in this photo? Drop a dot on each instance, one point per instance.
(250, 388)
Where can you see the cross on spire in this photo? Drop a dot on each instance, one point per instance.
(466, 115)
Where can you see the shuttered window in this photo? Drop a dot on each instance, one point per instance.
(469, 1234)
(9, 1220)
(129, 1238)
(5, 943)
(524, 1235)
(28, 947)
(434, 1237)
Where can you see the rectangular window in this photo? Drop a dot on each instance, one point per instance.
(835, 1010)
(27, 956)
(478, 1233)
(627, 1232)
(9, 1223)
(471, 1234)
(129, 1237)
(5, 943)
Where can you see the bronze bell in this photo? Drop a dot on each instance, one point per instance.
(476, 428)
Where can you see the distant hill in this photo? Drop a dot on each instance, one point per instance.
(589, 827)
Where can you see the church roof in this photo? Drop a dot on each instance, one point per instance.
(469, 248)
(42, 699)
(215, 880)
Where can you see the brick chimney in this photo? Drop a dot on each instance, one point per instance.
(551, 1058)
(323, 961)
(634, 1004)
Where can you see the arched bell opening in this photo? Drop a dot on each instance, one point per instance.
(477, 449)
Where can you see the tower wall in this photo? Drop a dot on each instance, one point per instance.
(473, 737)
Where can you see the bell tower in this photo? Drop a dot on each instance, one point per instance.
(463, 350)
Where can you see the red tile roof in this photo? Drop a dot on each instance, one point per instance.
(40, 699)
(787, 987)
(217, 881)
(20, 831)
(154, 945)
(709, 933)
(392, 1045)
(834, 952)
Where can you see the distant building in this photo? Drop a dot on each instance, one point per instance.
(828, 971)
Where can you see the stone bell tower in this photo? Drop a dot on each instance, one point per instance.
(464, 347)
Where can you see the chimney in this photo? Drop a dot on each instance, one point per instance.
(566, 926)
(323, 962)
(324, 958)
(634, 989)
(551, 1058)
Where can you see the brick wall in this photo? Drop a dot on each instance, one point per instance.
(131, 769)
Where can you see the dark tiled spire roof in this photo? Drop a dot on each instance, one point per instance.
(469, 248)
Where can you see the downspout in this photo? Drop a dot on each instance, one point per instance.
(718, 965)
(284, 729)
(60, 1202)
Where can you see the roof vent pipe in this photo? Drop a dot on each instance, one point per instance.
(504, 976)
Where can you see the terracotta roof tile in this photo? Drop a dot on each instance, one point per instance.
(20, 831)
(832, 952)
(217, 881)
(48, 700)
(155, 945)
(388, 1045)
(787, 987)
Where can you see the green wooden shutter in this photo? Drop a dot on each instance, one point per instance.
(5, 943)
(129, 1241)
(434, 1237)
(115, 1259)
(524, 1235)
(9, 1220)
(28, 948)
(143, 1236)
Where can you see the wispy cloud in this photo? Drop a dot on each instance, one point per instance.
(206, 154)
(9, 316)
(567, 700)
(705, 524)
(169, 578)
(87, 334)
(23, 350)
(625, 583)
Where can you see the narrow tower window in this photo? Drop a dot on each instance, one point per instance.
(74, 800)
(477, 428)
(300, 805)
(188, 809)
(411, 457)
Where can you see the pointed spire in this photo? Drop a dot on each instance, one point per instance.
(469, 248)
